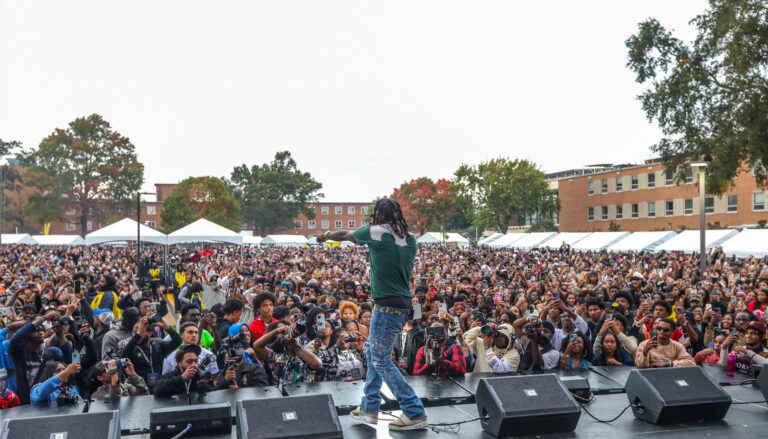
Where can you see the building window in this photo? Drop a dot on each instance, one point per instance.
(297, 224)
(651, 179)
(733, 203)
(651, 209)
(364, 210)
(635, 210)
(670, 209)
(669, 178)
(709, 205)
(120, 209)
(688, 175)
(70, 212)
(70, 226)
(324, 224)
(311, 224)
(635, 181)
(604, 212)
(337, 224)
(244, 226)
(324, 210)
(619, 211)
(350, 210)
(351, 224)
(604, 184)
(150, 210)
(590, 187)
(688, 206)
(337, 210)
(89, 225)
(619, 184)
(758, 201)
(590, 214)
(151, 224)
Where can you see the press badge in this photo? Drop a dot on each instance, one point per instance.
(151, 379)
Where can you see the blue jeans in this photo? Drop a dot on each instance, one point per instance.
(384, 330)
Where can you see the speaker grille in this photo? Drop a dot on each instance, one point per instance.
(682, 385)
(104, 425)
(311, 416)
(530, 395)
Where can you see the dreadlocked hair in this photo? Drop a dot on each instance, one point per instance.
(388, 211)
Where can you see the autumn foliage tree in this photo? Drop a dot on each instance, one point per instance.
(200, 197)
(426, 203)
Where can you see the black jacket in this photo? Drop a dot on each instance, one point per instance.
(172, 384)
(159, 352)
(248, 375)
(414, 339)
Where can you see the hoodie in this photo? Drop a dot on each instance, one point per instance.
(496, 360)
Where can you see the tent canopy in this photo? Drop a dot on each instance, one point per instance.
(203, 230)
(569, 238)
(17, 238)
(124, 230)
(599, 240)
(688, 240)
(488, 239)
(437, 238)
(506, 240)
(750, 242)
(641, 241)
(285, 240)
(252, 240)
(532, 240)
(59, 240)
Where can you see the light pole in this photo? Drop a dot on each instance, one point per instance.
(702, 167)
(138, 233)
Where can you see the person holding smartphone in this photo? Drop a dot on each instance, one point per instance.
(575, 353)
(660, 350)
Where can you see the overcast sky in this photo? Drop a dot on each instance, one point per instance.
(364, 94)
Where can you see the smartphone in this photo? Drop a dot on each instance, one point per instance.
(77, 286)
(573, 337)
(417, 311)
(654, 334)
(442, 307)
(609, 316)
(320, 323)
(153, 306)
(76, 356)
(456, 320)
(734, 299)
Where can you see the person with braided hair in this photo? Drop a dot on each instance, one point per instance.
(392, 250)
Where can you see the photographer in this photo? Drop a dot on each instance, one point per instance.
(131, 316)
(147, 352)
(435, 357)
(502, 357)
(190, 336)
(240, 370)
(345, 359)
(287, 361)
(535, 341)
(111, 386)
(54, 381)
(184, 378)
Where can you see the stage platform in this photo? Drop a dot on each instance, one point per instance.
(451, 400)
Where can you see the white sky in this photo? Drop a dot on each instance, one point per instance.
(364, 94)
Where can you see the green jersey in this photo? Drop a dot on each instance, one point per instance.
(391, 260)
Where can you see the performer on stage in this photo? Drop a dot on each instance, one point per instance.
(391, 252)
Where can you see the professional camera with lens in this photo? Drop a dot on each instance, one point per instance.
(156, 318)
(202, 373)
(532, 328)
(351, 338)
(232, 346)
(300, 328)
(488, 331)
(66, 397)
(434, 336)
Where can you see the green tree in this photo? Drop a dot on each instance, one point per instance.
(273, 194)
(200, 197)
(709, 97)
(11, 181)
(502, 191)
(544, 225)
(94, 166)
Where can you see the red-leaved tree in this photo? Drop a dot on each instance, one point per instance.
(426, 203)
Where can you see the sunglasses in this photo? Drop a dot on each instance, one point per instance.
(663, 329)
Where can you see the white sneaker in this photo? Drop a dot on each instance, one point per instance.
(360, 415)
(405, 423)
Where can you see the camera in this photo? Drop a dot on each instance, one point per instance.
(202, 373)
(64, 321)
(351, 338)
(232, 347)
(434, 336)
(532, 328)
(156, 318)
(299, 329)
(488, 331)
(66, 397)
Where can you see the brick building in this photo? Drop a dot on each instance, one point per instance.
(645, 197)
(331, 216)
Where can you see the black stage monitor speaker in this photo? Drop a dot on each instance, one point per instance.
(296, 417)
(675, 394)
(527, 404)
(103, 425)
(762, 379)
(206, 419)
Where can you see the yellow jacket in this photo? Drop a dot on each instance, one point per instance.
(180, 279)
(154, 274)
(97, 301)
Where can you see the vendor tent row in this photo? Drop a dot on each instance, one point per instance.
(750, 242)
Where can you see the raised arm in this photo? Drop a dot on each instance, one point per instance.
(341, 235)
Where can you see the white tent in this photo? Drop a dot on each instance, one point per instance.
(506, 240)
(59, 240)
(17, 238)
(251, 241)
(203, 230)
(641, 241)
(285, 240)
(599, 240)
(750, 242)
(489, 239)
(437, 238)
(569, 238)
(532, 240)
(124, 230)
(688, 240)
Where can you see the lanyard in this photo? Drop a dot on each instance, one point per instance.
(149, 359)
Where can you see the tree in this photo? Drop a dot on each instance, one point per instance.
(92, 165)
(273, 194)
(11, 181)
(502, 191)
(709, 97)
(426, 204)
(544, 225)
(200, 197)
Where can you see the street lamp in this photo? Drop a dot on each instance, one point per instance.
(138, 234)
(702, 167)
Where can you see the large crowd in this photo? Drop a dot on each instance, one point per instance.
(80, 323)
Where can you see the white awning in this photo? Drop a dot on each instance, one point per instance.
(124, 230)
(58, 240)
(285, 240)
(437, 238)
(688, 240)
(569, 238)
(641, 241)
(532, 240)
(489, 239)
(748, 243)
(507, 240)
(251, 241)
(599, 241)
(17, 238)
(203, 230)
